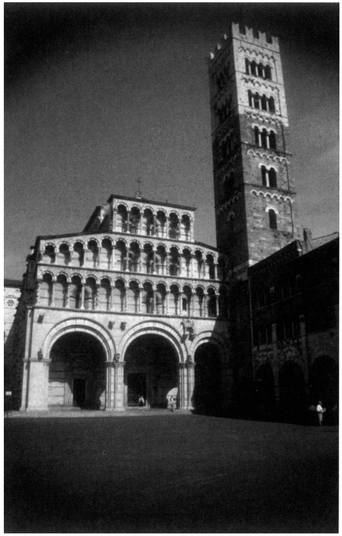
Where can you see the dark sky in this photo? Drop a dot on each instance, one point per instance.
(99, 95)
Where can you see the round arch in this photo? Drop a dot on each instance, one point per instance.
(81, 325)
(152, 328)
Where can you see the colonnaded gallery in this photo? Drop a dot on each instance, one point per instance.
(133, 306)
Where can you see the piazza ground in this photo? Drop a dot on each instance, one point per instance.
(168, 472)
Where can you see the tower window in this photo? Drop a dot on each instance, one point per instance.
(269, 177)
(265, 139)
(261, 102)
(260, 70)
(272, 219)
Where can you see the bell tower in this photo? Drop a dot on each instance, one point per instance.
(253, 182)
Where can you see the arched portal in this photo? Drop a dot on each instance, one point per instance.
(292, 392)
(151, 371)
(77, 374)
(265, 391)
(207, 391)
(324, 386)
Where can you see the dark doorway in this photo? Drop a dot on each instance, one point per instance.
(151, 368)
(265, 392)
(77, 374)
(79, 392)
(136, 387)
(292, 393)
(207, 392)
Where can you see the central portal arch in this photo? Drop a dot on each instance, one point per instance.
(151, 371)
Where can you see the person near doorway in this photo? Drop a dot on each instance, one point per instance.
(172, 403)
(141, 401)
(320, 410)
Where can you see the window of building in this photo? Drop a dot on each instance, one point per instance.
(265, 139)
(268, 177)
(260, 70)
(272, 219)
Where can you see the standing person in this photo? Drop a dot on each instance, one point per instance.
(141, 401)
(320, 410)
(172, 403)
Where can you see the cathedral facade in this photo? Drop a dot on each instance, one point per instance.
(134, 308)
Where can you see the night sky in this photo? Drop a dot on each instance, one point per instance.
(100, 95)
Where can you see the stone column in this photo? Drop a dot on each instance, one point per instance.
(127, 259)
(111, 300)
(114, 219)
(191, 382)
(37, 393)
(191, 229)
(139, 299)
(82, 296)
(53, 282)
(182, 386)
(109, 379)
(167, 294)
(96, 297)
(118, 384)
(205, 304)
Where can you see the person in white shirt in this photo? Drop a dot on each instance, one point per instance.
(320, 410)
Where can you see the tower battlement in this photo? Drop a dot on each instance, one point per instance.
(249, 35)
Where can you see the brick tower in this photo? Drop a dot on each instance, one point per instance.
(253, 182)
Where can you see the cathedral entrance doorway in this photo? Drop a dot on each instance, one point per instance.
(207, 392)
(292, 393)
(151, 371)
(77, 374)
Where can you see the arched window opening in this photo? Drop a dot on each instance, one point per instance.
(133, 297)
(105, 254)
(185, 228)
(268, 73)
(75, 290)
(64, 254)
(160, 224)
(92, 254)
(60, 291)
(134, 257)
(212, 306)
(272, 219)
(49, 255)
(160, 299)
(147, 298)
(272, 140)
(271, 105)
(198, 302)
(119, 296)
(174, 266)
(90, 293)
(148, 223)
(134, 220)
(45, 290)
(173, 226)
(272, 178)
(120, 255)
(104, 295)
(121, 219)
(174, 300)
(78, 254)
